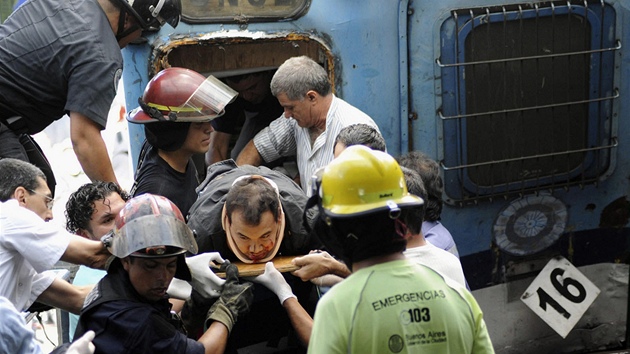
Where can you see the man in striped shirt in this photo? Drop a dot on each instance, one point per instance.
(314, 117)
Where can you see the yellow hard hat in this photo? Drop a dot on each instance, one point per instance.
(361, 181)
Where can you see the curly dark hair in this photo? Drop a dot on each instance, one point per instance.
(80, 205)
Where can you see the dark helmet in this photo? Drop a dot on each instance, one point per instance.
(154, 13)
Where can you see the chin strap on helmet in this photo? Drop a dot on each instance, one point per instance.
(155, 113)
(106, 240)
(155, 10)
(122, 32)
(394, 210)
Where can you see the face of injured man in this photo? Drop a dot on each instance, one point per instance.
(256, 242)
(253, 219)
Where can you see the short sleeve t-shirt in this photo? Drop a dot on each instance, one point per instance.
(398, 307)
(58, 56)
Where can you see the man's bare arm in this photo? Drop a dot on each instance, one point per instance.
(300, 319)
(249, 155)
(219, 143)
(215, 338)
(317, 264)
(86, 252)
(90, 149)
(63, 295)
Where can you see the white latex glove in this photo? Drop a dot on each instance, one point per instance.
(179, 289)
(274, 281)
(204, 280)
(82, 345)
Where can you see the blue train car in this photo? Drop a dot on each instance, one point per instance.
(524, 104)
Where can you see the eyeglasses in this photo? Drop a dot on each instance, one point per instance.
(50, 202)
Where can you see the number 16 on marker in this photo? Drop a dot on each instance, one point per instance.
(560, 295)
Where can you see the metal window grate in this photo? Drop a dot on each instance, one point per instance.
(527, 98)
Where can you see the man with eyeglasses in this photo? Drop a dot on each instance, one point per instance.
(50, 201)
(30, 246)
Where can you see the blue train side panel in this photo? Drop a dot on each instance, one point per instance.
(524, 104)
(586, 202)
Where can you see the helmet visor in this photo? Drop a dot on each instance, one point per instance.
(153, 232)
(208, 101)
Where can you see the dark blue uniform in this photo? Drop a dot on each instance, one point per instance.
(125, 323)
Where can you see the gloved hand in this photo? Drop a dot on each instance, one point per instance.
(274, 281)
(179, 289)
(83, 345)
(234, 301)
(204, 280)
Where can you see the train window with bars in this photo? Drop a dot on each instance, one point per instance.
(527, 98)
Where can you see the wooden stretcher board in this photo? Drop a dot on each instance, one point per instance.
(282, 263)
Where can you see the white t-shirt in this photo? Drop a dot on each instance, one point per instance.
(29, 246)
(441, 261)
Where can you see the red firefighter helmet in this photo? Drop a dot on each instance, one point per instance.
(182, 95)
(151, 226)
